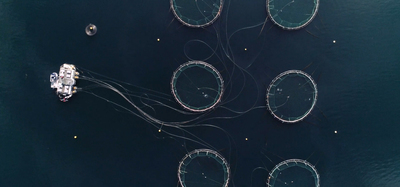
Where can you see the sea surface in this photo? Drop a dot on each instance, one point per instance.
(351, 136)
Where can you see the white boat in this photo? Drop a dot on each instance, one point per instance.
(64, 81)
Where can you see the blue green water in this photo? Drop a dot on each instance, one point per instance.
(357, 77)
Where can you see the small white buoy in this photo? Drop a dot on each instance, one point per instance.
(245, 49)
(334, 41)
(158, 39)
(335, 132)
(246, 139)
(75, 137)
(91, 30)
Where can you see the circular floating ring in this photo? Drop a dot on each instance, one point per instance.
(292, 14)
(197, 86)
(203, 167)
(291, 96)
(197, 13)
(91, 30)
(279, 169)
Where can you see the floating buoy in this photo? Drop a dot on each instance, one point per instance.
(91, 30)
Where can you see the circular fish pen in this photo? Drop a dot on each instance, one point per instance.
(293, 172)
(291, 96)
(197, 13)
(292, 14)
(203, 167)
(91, 30)
(197, 86)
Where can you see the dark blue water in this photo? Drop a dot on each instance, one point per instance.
(357, 77)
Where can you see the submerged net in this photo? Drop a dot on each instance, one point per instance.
(292, 14)
(196, 13)
(197, 86)
(291, 96)
(293, 172)
(203, 167)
